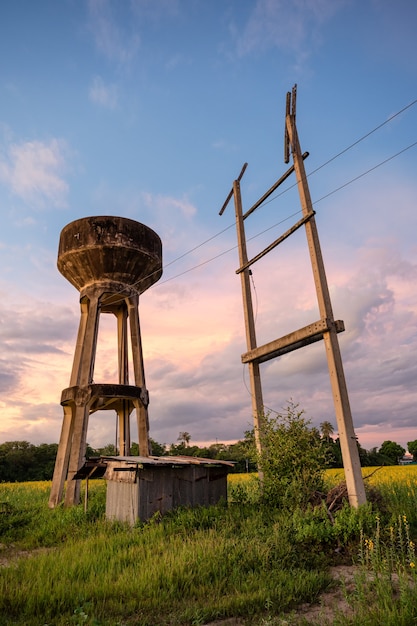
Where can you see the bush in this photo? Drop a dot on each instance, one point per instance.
(292, 459)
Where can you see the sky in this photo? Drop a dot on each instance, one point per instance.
(147, 109)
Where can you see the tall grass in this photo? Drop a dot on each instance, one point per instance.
(64, 566)
(189, 567)
(26, 520)
(396, 484)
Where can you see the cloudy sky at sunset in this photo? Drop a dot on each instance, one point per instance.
(147, 109)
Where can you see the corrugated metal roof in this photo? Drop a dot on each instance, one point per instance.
(166, 460)
(96, 467)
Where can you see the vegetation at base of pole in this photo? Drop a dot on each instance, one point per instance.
(292, 458)
(258, 564)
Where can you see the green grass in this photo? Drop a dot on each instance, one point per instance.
(64, 566)
(192, 566)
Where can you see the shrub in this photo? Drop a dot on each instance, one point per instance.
(292, 459)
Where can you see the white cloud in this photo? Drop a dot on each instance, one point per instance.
(286, 25)
(102, 94)
(168, 206)
(193, 336)
(33, 171)
(224, 145)
(116, 44)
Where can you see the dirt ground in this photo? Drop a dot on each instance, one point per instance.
(323, 612)
(334, 600)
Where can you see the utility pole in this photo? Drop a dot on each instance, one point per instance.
(254, 369)
(325, 328)
(350, 454)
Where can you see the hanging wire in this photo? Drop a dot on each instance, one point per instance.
(244, 370)
(355, 143)
(217, 256)
(367, 172)
(352, 145)
(256, 295)
(339, 154)
(295, 213)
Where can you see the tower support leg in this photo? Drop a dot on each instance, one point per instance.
(77, 456)
(62, 459)
(137, 354)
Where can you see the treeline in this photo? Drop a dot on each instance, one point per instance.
(22, 461)
(241, 452)
(390, 453)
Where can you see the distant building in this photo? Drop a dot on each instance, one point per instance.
(407, 459)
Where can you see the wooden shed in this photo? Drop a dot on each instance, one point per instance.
(138, 487)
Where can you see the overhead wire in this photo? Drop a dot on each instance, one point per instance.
(367, 172)
(355, 143)
(217, 256)
(203, 243)
(336, 190)
(352, 145)
(289, 216)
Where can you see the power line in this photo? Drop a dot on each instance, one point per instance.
(352, 145)
(178, 259)
(203, 243)
(333, 158)
(217, 256)
(355, 143)
(367, 172)
(167, 280)
(288, 217)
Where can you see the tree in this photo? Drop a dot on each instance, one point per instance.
(327, 430)
(242, 453)
(44, 456)
(91, 452)
(184, 438)
(108, 450)
(158, 449)
(332, 452)
(391, 451)
(412, 448)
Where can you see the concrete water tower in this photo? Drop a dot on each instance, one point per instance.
(111, 261)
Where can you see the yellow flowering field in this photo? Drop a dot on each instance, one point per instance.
(403, 474)
(233, 479)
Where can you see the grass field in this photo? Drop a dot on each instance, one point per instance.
(241, 560)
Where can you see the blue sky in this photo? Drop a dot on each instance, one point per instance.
(148, 109)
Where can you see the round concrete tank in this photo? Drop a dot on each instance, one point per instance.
(112, 250)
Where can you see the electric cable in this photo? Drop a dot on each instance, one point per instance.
(217, 256)
(352, 145)
(336, 156)
(355, 143)
(255, 317)
(293, 214)
(365, 173)
(245, 384)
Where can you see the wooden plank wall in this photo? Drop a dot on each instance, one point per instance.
(160, 489)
